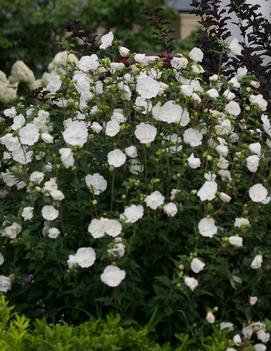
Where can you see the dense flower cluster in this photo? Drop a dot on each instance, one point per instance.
(124, 162)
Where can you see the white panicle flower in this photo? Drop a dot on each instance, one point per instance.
(53, 233)
(54, 82)
(97, 228)
(258, 193)
(112, 276)
(29, 134)
(196, 55)
(12, 230)
(2, 260)
(85, 257)
(235, 47)
(131, 151)
(76, 133)
(154, 200)
(179, 62)
(145, 133)
(27, 213)
(253, 163)
(116, 158)
(36, 177)
(193, 162)
(66, 157)
(112, 128)
(259, 101)
(213, 93)
(170, 112)
(124, 52)
(147, 87)
(207, 227)
(88, 63)
(18, 122)
(210, 317)
(106, 40)
(170, 209)
(233, 108)
(257, 262)
(208, 191)
(96, 183)
(241, 222)
(191, 282)
(49, 213)
(236, 240)
(192, 137)
(5, 283)
(21, 73)
(112, 227)
(133, 213)
(255, 148)
(197, 265)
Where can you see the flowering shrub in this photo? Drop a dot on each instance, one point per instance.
(132, 184)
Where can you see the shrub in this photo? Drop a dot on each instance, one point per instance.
(138, 188)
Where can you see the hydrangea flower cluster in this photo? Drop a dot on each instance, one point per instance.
(140, 164)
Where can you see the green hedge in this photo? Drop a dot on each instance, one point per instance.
(111, 334)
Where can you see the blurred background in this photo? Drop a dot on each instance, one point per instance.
(33, 30)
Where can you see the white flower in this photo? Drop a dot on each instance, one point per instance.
(12, 230)
(88, 63)
(241, 72)
(5, 283)
(54, 82)
(179, 62)
(253, 300)
(260, 347)
(154, 200)
(197, 265)
(57, 195)
(47, 138)
(131, 151)
(53, 233)
(76, 133)
(96, 127)
(85, 257)
(29, 134)
(118, 115)
(236, 240)
(2, 260)
(233, 108)
(207, 227)
(49, 213)
(112, 128)
(191, 282)
(117, 248)
(258, 193)
(210, 317)
(170, 112)
(257, 262)
(235, 47)
(255, 148)
(196, 55)
(253, 163)
(170, 209)
(116, 158)
(67, 158)
(226, 325)
(107, 40)
(208, 191)
(193, 162)
(97, 228)
(36, 177)
(237, 340)
(192, 137)
(133, 213)
(112, 276)
(27, 213)
(225, 197)
(96, 183)
(124, 52)
(145, 133)
(241, 222)
(263, 336)
(213, 93)
(147, 87)
(18, 122)
(259, 101)
(143, 106)
(112, 227)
